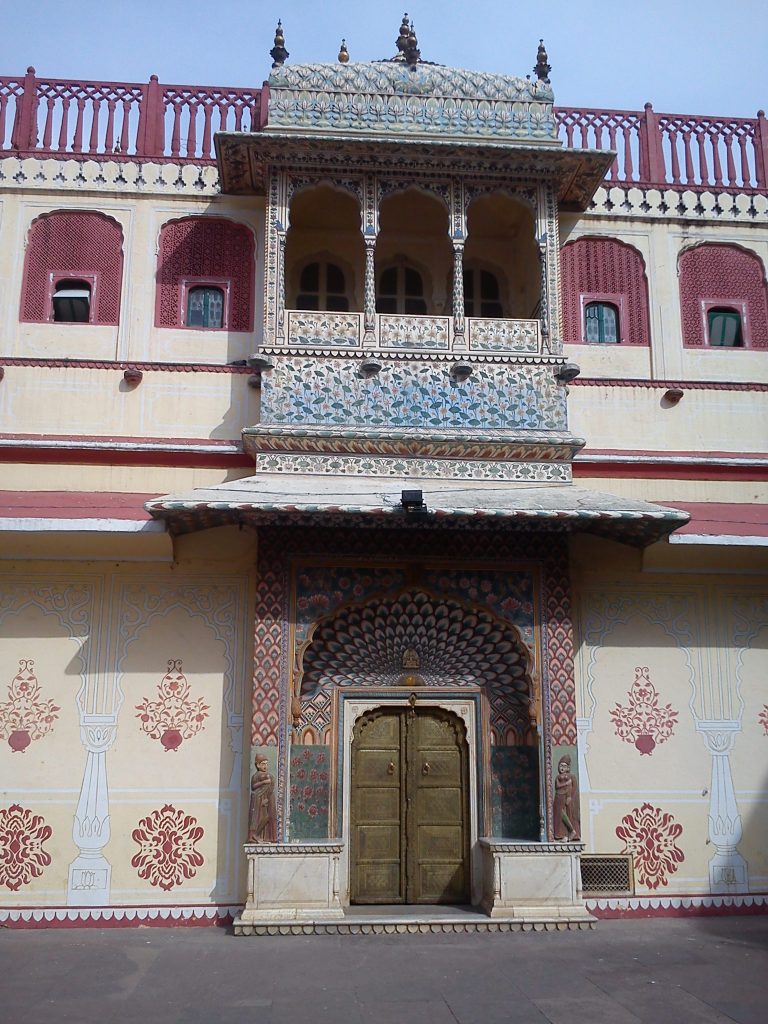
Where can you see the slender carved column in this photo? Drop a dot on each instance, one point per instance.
(727, 868)
(369, 308)
(90, 872)
(459, 340)
(281, 237)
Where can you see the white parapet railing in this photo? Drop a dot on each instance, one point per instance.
(397, 333)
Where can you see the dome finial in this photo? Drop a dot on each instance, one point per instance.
(343, 57)
(278, 53)
(542, 68)
(402, 39)
(412, 53)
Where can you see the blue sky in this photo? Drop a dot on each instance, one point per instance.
(685, 57)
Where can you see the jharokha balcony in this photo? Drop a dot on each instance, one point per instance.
(152, 121)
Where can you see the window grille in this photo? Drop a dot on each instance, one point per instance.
(607, 875)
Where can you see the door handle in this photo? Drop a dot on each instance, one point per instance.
(425, 768)
(391, 768)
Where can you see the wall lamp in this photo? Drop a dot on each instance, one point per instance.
(133, 376)
(413, 502)
(672, 395)
(369, 368)
(258, 364)
(461, 372)
(567, 373)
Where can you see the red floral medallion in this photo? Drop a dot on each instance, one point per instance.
(167, 854)
(22, 856)
(763, 719)
(642, 721)
(649, 834)
(24, 717)
(174, 716)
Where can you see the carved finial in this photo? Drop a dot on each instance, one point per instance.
(542, 68)
(412, 53)
(343, 53)
(402, 39)
(278, 53)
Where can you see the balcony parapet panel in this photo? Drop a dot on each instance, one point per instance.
(311, 330)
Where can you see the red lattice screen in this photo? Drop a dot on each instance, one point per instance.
(604, 266)
(205, 247)
(77, 245)
(724, 273)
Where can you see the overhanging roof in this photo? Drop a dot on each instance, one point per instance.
(244, 158)
(369, 501)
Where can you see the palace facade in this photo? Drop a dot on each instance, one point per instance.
(383, 512)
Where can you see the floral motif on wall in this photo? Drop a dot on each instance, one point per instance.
(22, 855)
(24, 717)
(174, 716)
(763, 719)
(167, 854)
(649, 834)
(309, 789)
(643, 722)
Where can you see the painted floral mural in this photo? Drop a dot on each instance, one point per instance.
(650, 835)
(309, 792)
(763, 719)
(642, 720)
(174, 716)
(167, 841)
(22, 853)
(24, 716)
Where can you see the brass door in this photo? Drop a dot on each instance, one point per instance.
(409, 809)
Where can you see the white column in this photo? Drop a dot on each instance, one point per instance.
(727, 867)
(369, 296)
(459, 341)
(90, 872)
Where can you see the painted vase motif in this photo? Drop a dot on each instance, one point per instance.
(24, 717)
(174, 716)
(642, 721)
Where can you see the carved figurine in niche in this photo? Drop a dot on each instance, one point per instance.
(262, 812)
(565, 806)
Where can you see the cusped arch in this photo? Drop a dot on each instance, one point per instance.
(722, 274)
(433, 640)
(594, 267)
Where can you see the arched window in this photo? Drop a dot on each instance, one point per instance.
(601, 323)
(322, 286)
(205, 307)
(73, 251)
(72, 302)
(723, 297)
(401, 290)
(604, 272)
(205, 275)
(724, 327)
(482, 296)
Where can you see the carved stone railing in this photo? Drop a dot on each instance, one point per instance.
(128, 120)
(393, 332)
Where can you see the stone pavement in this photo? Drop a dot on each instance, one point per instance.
(673, 971)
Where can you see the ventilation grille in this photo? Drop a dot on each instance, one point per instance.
(607, 875)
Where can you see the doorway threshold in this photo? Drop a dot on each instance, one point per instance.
(420, 919)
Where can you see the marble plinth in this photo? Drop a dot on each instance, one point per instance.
(531, 880)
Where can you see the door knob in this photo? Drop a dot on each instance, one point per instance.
(391, 768)
(425, 769)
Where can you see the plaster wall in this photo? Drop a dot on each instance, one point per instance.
(122, 735)
(673, 725)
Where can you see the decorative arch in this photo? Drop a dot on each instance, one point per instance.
(418, 639)
(73, 244)
(713, 274)
(205, 250)
(605, 269)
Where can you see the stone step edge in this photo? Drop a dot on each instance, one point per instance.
(379, 927)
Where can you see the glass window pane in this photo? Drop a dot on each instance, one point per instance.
(489, 286)
(310, 278)
(592, 322)
(335, 279)
(72, 302)
(610, 323)
(601, 323)
(413, 283)
(388, 282)
(215, 307)
(196, 308)
(205, 307)
(725, 328)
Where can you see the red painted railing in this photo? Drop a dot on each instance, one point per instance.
(121, 119)
(178, 122)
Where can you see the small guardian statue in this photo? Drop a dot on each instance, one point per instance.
(565, 805)
(262, 812)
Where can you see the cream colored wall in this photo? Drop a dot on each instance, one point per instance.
(660, 242)
(703, 639)
(101, 635)
(136, 338)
